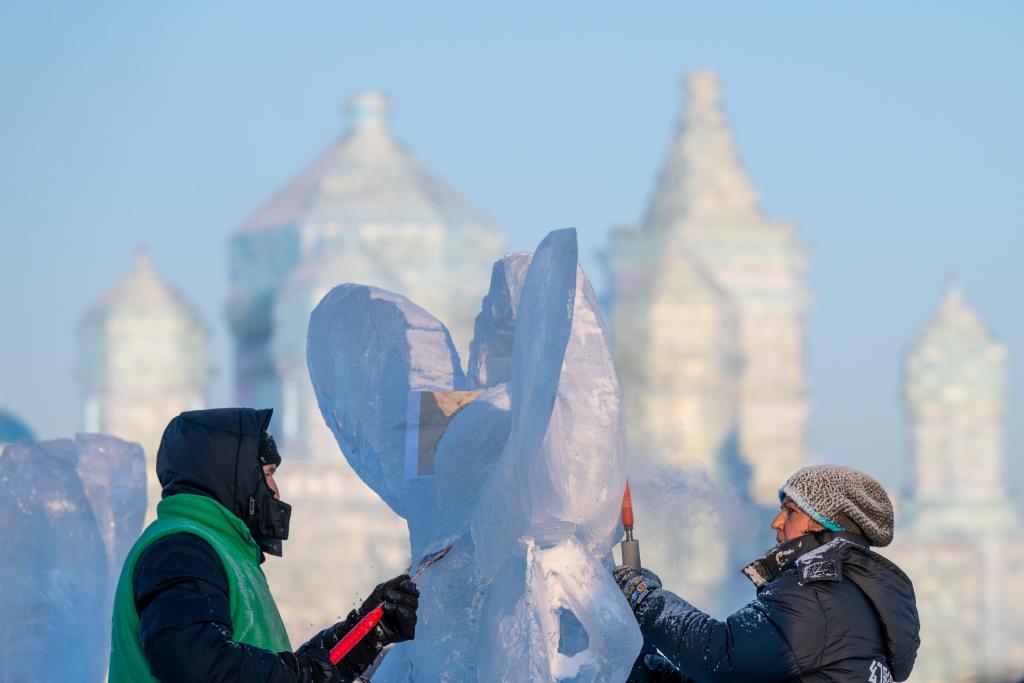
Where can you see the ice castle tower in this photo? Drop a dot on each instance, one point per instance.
(677, 355)
(956, 392)
(142, 358)
(366, 210)
(704, 203)
(959, 536)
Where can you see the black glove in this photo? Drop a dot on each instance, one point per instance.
(652, 667)
(361, 656)
(400, 598)
(636, 584)
(313, 665)
(661, 670)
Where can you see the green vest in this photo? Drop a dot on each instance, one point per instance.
(254, 616)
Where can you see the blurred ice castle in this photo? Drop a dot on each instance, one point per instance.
(142, 358)
(710, 280)
(959, 536)
(365, 211)
(706, 307)
(707, 298)
(142, 355)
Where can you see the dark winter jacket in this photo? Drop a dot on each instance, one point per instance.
(182, 596)
(827, 609)
(179, 584)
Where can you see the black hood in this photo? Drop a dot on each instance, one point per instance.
(843, 556)
(891, 593)
(216, 453)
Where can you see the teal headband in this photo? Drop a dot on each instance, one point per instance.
(809, 509)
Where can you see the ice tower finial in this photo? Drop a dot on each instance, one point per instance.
(702, 90)
(142, 262)
(367, 109)
(702, 180)
(953, 284)
(368, 138)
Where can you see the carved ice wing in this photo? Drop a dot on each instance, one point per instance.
(585, 445)
(367, 348)
(490, 352)
(563, 468)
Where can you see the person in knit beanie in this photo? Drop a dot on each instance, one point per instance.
(827, 606)
(842, 499)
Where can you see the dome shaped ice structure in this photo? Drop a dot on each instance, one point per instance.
(13, 429)
(365, 210)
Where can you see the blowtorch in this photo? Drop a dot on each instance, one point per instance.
(630, 547)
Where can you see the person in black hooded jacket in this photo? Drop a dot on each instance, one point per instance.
(180, 585)
(828, 608)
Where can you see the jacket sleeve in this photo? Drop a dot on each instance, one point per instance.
(181, 593)
(748, 646)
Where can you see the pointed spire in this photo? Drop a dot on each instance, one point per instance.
(368, 109)
(955, 360)
(142, 316)
(955, 320)
(952, 279)
(368, 137)
(142, 263)
(702, 180)
(142, 286)
(143, 282)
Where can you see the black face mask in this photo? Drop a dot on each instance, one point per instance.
(268, 518)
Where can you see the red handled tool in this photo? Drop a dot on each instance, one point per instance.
(353, 637)
(367, 623)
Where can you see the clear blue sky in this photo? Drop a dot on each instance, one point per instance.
(891, 136)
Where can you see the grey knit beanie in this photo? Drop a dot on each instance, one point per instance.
(842, 499)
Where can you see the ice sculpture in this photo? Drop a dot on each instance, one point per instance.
(70, 510)
(526, 478)
(113, 475)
